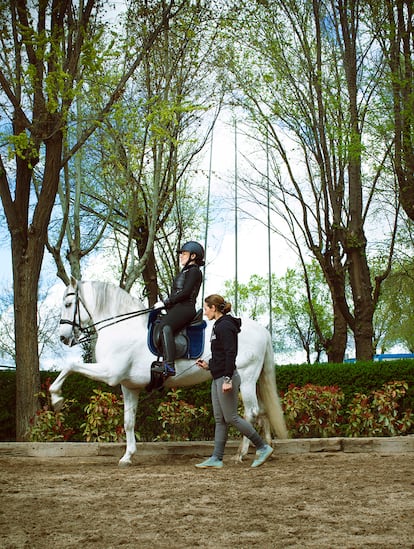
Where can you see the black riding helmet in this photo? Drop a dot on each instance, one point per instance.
(194, 248)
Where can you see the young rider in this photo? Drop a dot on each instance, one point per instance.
(180, 304)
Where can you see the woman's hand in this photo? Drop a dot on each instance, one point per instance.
(202, 364)
(227, 386)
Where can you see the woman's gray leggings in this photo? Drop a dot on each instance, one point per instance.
(226, 414)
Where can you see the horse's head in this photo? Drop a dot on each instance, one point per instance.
(74, 316)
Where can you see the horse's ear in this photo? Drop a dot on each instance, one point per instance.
(73, 281)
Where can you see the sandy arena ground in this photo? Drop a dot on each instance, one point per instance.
(329, 500)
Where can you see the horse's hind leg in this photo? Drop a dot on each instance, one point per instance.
(242, 449)
(263, 424)
(261, 421)
(251, 410)
(130, 411)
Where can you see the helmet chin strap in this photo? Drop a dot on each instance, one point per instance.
(189, 260)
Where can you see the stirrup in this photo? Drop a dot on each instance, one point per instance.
(163, 368)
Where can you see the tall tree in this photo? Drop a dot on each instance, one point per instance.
(310, 95)
(392, 22)
(177, 106)
(394, 316)
(44, 50)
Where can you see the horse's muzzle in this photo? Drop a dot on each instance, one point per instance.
(69, 337)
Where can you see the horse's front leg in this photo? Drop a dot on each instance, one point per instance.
(55, 390)
(98, 371)
(130, 411)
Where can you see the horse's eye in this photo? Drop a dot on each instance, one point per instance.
(67, 305)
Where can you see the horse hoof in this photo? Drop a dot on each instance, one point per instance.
(124, 462)
(57, 403)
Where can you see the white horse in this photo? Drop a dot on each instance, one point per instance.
(123, 357)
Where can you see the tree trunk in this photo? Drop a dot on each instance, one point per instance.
(25, 279)
(363, 304)
(335, 276)
(337, 344)
(400, 58)
(149, 273)
(354, 240)
(28, 245)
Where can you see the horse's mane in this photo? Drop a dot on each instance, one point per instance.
(111, 298)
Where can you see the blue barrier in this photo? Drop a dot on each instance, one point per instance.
(389, 356)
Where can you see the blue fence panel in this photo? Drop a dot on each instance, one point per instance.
(386, 356)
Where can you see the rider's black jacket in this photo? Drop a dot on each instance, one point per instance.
(185, 287)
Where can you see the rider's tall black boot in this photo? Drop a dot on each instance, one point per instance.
(168, 345)
(167, 339)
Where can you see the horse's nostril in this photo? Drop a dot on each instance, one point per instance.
(62, 338)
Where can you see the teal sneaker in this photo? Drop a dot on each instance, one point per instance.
(211, 463)
(262, 455)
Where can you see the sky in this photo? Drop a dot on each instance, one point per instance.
(5, 264)
(252, 235)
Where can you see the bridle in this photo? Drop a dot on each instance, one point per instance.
(90, 330)
(76, 321)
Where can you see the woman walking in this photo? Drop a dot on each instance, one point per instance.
(226, 383)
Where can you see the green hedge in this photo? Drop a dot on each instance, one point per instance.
(357, 377)
(361, 377)
(80, 389)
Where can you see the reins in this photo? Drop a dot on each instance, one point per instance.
(90, 330)
(189, 368)
(121, 317)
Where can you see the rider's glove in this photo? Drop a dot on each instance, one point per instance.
(159, 305)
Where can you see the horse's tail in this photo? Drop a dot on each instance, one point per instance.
(269, 395)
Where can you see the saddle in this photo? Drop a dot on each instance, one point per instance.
(189, 342)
